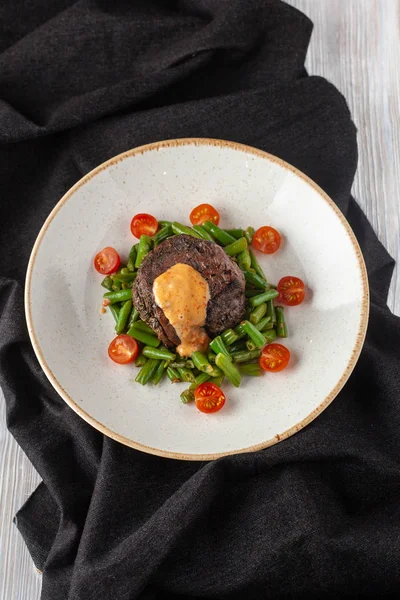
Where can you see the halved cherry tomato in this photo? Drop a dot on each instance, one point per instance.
(274, 358)
(202, 213)
(123, 349)
(267, 240)
(209, 397)
(144, 224)
(107, 261)
(291, 291)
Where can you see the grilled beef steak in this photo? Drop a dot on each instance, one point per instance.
(226, 283)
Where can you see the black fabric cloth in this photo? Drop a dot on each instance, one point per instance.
(317, 515)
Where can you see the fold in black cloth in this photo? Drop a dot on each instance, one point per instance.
(315, 516)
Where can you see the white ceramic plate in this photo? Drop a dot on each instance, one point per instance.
(248, 187)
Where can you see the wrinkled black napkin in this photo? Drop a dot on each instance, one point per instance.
(317, 515)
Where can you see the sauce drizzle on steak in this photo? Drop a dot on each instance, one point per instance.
(183, 294)
(226, 306)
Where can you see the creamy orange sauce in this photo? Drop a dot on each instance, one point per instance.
(183, 294)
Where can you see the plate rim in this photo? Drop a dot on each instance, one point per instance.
(359, 341)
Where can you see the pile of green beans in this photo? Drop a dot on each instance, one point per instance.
(232, 354)
(118, 300)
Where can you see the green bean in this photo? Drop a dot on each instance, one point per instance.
(124, 277)
(182, 364)
(165, 223)
(218, 380)
(261, 298)
(219, 234)
(264, 323)
(134, 317)
(187, 396)
(257, 314)
(145, 244)
(159, 373)
(118, 296)
(142, 336)
(245, 356)
(203, 233)
(186, 374)
(253, 360)
(125, 271)
(160, 353)
(255, 280)
(144, 327)
(229, 336)
(116, 286)
(281, 327)
(236, 233)
(251, 293)
(256, 265)
(173, 375)
(123, 316)
(236, 247)
(199, 380)
(180, 229)
(216, 372)
(127, 285)
(132, 257)
(147, 371)
(257, 299)
(244, 259)
(251, 369)
(200, 361)
(107, 283)
(240, 332)
(253, 333)
(211, 357)
(114, 310)
(239, 345)
(271, 310)
(141, 360)
(229, 369)
(162, 235)
(217, 345)
(249, 234)
(270, 335)
(250, 345)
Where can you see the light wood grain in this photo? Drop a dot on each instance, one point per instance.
(356, 45)
(19, 579)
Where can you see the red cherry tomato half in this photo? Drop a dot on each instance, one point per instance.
(202, 213)
(107, 261)
(274, 358)
(123, 349)
(209, 397)
(267, 240)
(291, 291)
(143, 224)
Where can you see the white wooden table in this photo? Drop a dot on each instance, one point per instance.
(356, 45)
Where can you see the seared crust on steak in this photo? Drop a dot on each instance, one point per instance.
(226, 283)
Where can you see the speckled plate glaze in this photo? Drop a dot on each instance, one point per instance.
(249, 187)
